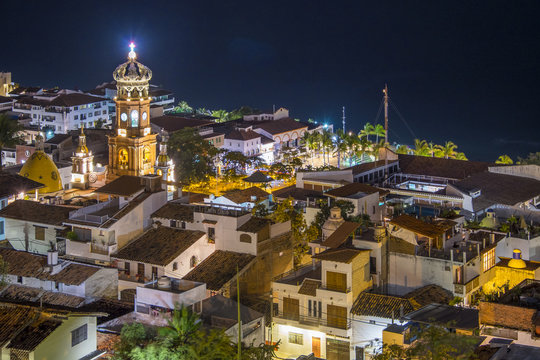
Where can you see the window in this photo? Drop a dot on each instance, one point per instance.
(76, 108)
(488, 260)
(183, 225)
(79, 335)
(291, 309)
(245, 238)
(90, 115)
(104, 112)
(337, 316)
(295, 338)
(140, 271)
(211, 234)
(372, 265)
(1, 227)
(373, 209)
(193, 261)
(40, 233)
(127, 268)
(175, 266)
(154, 272)
(19, 279)
(336, 281)
(76, 117)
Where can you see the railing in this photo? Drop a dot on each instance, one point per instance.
(316, 321)
(92, 218)
(341, 290)
(134, 278)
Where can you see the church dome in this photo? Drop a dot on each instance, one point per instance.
(132, 78)
(132, 70)
(39, 167)
(334, 221)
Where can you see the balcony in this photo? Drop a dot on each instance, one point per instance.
(344, 324)
(133, 278)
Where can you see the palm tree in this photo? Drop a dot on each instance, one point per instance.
(432, 148)
(367, 130)
(182, 327)
(376, 147)
(378, 130)
(461, 156)
(403, 149)
(421, 147)
(352, 141)
(364, 147)
(326, 143)
(448, 150)
(9, 134)
(505, 160)
(340, 144)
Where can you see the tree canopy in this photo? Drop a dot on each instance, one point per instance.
(192, 155)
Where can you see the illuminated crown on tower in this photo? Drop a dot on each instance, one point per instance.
(132, 78)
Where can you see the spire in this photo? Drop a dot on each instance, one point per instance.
(82, 149)
(132, 55)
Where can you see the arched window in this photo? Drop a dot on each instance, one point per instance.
(146, 155)
(193, 261)
(245, 238)
(123, 157)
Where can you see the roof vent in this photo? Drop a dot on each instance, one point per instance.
(475, 193)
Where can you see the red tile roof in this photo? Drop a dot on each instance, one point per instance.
(242, 135)
(340, 235)
(280, 126)
(440, 167)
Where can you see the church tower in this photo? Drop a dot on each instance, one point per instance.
(164, 165)
(82, 164)
(132, 149)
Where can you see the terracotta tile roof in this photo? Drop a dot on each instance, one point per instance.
(352, 189)
(242, 196)
(125, 185)
(75, 99)
(21, 263)
(254, 225)
(175, 211)
(498, 189)
(359, 169)
(296, 193)
(258, 177)
(428, 294)
(243, 135)
(340, 235)
(368, 304)
(309, 287)
(219, 268)
(224, 308)
(342, 255)
(24, 328)
(58, 139)
(33, 211)
(24, 294)
(279, 126)
(172, 123)
(159, 246)
(13, 184)
(440, 167)
(418, 226)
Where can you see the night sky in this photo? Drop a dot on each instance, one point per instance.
(463, 71)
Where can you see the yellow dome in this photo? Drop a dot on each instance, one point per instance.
(517, 262)
(39, 167)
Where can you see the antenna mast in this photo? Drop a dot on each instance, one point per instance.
(344, 119)
(385, 91)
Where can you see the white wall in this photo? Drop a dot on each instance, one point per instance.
(58, 344)
(200, 249)
(19, 230)
(530, 249)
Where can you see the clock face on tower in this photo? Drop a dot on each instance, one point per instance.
(144, 116)
(134, 118)
(123, 116)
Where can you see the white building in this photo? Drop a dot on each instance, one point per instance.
(244, 199)
(65, 110)
(245, 141)
(40, 333)
(161, 251)
(100, 230)
(315, 301)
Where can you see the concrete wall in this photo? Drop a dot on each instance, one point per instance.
(168, 299)
(529, 171)
(200, 249)
(19, 232)
(530, 249)
(58, 344)
(408, 272)
(103, 283)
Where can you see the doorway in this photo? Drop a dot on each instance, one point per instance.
(316, 346)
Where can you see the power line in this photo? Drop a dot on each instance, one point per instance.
(402, 118)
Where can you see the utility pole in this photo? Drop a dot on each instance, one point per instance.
(385, 91)
(344, 119)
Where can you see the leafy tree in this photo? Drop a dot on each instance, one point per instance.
(504, 159)
(131, 336)
(240, 112)
(221, 115)
(532, 159)
(433, 342)
(192, 155)
(183, 107)
(9, 133)
(236, 160)
(203, 111)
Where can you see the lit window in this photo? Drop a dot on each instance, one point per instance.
(79, 335)
(295, 338)
(488, 260)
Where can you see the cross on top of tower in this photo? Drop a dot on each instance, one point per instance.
(132, 55)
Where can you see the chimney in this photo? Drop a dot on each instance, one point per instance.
(52, 258)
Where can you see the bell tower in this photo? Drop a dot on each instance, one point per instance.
(132, 149)
(82, 164)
